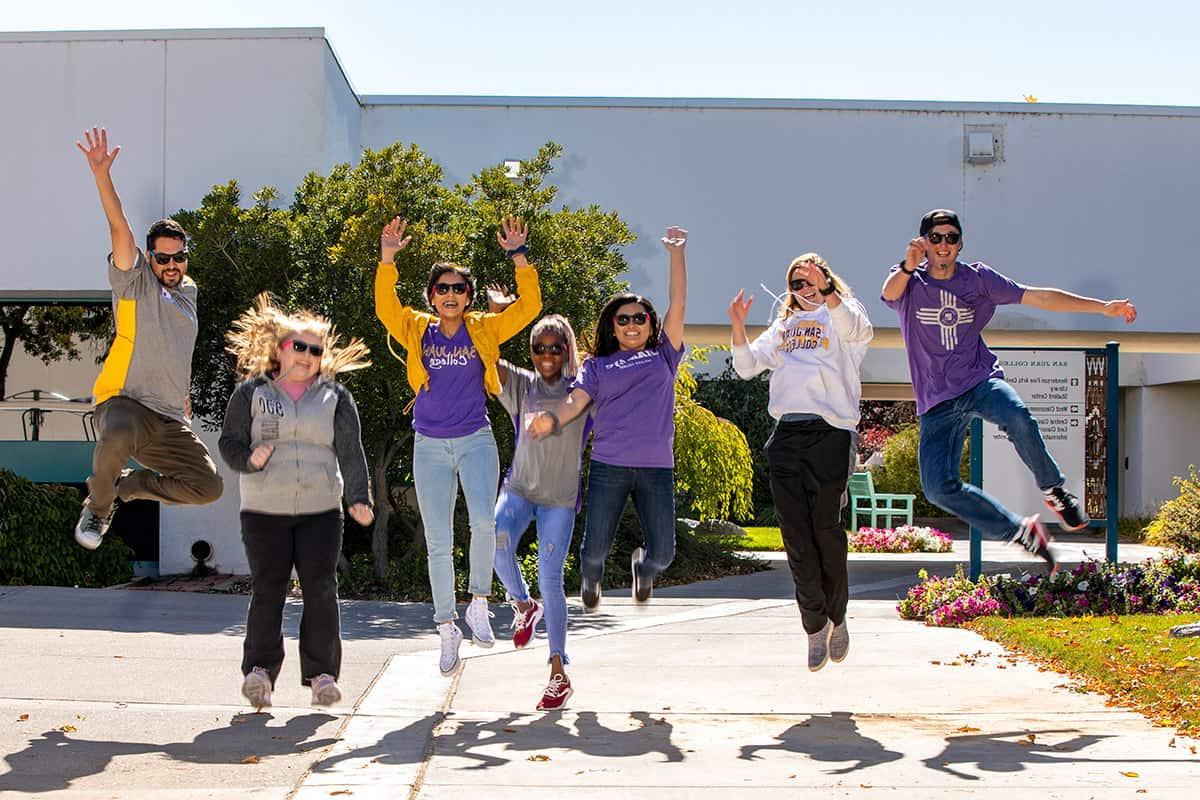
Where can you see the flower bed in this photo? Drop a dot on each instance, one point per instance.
(905, 539)
(1167, 585)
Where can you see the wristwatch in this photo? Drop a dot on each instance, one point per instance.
(905, 271)
(828, 290)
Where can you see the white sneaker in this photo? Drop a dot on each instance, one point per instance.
(479, 620)
(325, 691)
(451, 640)
(90, 529)
(256, 687)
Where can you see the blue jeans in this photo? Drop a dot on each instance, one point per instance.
(608, 488)
(554, 527)
(473, 460)
(943, 432)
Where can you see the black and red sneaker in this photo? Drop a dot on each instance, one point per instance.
(1033, 537)
(1067, 507)
(525, 622)
(558, 691)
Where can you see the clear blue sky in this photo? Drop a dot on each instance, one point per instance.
(1059, 51)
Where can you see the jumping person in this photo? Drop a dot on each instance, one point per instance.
(452, 367)
(293, 434)
(141, 395)
(630, 380)
(944, 305)
(815, 348)
(543, 485)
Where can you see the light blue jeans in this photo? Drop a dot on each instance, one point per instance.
(554, 526)
(474, 461)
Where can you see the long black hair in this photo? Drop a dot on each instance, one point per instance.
(604, 340)
(441, 268)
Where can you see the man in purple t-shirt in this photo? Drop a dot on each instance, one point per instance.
(944, 305)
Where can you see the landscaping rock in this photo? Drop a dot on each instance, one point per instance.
(719, 527)
(1182, 631)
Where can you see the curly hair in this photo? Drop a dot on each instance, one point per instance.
(839, 285)
(256, 335)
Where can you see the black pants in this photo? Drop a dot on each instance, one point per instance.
(809, 464)
(274, 544)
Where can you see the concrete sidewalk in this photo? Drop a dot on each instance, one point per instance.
(704, 693)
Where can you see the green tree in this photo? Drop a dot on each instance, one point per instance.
(49, 332)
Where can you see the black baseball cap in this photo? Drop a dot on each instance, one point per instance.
(940, 216)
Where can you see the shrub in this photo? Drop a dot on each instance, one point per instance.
(36, 547)
(901, 471)
(933, 593)
(905, 539)
(1178, 522)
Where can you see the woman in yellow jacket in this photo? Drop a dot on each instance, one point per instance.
(452, 355)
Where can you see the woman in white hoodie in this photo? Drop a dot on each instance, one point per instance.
(815, 348)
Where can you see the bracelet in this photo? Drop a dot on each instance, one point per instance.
(906, 271)
(516, 251)
(828, 290)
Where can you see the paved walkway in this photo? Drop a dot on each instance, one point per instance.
(702, 694)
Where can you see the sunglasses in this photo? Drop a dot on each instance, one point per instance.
(304, 347)
(936, 238)
(798, 284)
(632, 319)
(552, 349)
(166, 258)
(446, 288)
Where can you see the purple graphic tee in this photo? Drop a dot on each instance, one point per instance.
(455, 403)
(942, 323)
(633, 399)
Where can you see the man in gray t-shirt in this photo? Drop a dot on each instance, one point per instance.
(141, 394)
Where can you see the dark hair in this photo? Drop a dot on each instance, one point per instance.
(440, 269)
(604, 340)
(165, 227)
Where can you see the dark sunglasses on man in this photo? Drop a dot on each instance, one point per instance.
(446, 288)
(553, 349)
(632, 319)
(166, 258)
(936, 238)
(305, 347)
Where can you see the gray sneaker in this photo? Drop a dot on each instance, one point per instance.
(818, 647)
(256, 687)
(839, 642)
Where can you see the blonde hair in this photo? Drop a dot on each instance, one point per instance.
(840, 286)
(560, 327)
(256, 335)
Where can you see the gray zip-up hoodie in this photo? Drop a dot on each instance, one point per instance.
(318, 453)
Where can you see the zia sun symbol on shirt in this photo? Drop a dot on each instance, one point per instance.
(439, 356)
(947, 317)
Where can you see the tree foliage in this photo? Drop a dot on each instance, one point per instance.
(50, 332)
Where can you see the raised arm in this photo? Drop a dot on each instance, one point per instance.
(1058, 300)
(746, 362)
(528, 304)
(897, 281)
(100, 160)
(545, 423)
(394, 315)
(676, 241)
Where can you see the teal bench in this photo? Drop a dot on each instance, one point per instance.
(865, 501)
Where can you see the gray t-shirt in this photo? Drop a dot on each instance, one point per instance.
(150, 360)
(544, 471)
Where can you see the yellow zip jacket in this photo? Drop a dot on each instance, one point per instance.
(487, 331)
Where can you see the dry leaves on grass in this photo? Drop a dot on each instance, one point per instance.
(538, 757)
(67, 728)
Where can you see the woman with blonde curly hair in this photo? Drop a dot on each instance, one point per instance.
(293, 434)
(815, 348)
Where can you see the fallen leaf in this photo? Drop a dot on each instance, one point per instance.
(935, 662)
(341, 791)
(1130, 774)
(967, 729)
(1172, 742)
(67, 728)
(22, 718)
(251, 760)
(510, 730)
(538, 757)
(865, 786)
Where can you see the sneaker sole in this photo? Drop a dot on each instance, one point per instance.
(1065, 526)
(484, 644)
(452, 670)
(541, 707)
(537, 617)
(86, 542)
(257, 702)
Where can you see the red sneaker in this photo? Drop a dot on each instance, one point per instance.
(558, 691)
(524, 623)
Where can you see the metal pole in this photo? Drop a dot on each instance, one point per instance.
(976, 461)
(1112, 469)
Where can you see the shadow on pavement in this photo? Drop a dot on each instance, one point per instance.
(828, 737)
(54, 760)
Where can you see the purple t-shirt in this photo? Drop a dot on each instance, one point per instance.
(633, 399)
(942, 323)
(455, 403)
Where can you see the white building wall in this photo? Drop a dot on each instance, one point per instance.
(1162, 437)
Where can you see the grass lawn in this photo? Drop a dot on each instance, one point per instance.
(1131, 659)
(761, 539)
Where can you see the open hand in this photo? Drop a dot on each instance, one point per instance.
(260, 455)
(675, 240)
(739, 309)
(362, 514)
(393, 240)
(513, 233)
(1121, 308)
(499, 297)
(99, 158)
(808, 271)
